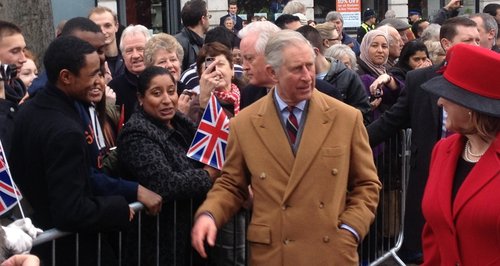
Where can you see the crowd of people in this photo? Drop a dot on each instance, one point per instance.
(110, 118)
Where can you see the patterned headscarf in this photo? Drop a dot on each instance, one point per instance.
(364, 49)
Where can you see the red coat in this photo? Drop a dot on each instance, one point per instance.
(466, 231)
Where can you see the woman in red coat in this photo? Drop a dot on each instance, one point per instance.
(461, 202)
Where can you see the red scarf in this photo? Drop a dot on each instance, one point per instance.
(232, 96)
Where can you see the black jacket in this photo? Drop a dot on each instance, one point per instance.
(7, 111)
(51, 166)
(191, 44)
(350, 87)
(125, 87)
(417, 109)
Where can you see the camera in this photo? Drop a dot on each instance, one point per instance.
(208, 61)
(8, 72)
(378, 93)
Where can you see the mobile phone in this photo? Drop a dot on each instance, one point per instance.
(378, 93)
(461, 2)
(208, 61)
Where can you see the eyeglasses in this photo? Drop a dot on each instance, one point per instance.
(209, 16)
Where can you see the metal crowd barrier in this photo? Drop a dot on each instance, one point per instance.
(384, 240)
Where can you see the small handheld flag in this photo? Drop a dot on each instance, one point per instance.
(209, 143)
(9, 194)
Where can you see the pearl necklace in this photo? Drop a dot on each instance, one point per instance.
(468, 152)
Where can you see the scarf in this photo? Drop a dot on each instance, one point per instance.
(232, 96)
(364, 49)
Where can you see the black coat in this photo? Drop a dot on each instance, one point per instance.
(155, 156)
(350, 86)
(51, 166)
(417, 109)
(125, 87)
(7, 111)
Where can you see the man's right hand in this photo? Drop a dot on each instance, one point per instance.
(204, 228)
(151, 200)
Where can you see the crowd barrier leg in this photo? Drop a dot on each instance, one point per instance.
(405, 163)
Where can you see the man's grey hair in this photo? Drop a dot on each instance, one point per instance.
(338, 51)
(133, 30)
(390, 14)
(264, 29)
(388, 29)
(293, 7)
(334, 15)
(489, 22)
(431, 33)
(278, 42)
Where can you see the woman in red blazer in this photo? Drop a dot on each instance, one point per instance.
(461, 202)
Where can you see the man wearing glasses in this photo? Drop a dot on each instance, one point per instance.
(196, 21)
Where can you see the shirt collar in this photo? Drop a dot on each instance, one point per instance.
(282, 105)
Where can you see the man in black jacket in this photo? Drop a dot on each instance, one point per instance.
(418, 109)
(345, 80)
(196, 21)
(50, 161)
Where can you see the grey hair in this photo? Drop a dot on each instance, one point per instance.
(334, 15)
(431, 33)
(293, 7)
(165, 42)
(387, 29)
(434, 48)
(264, 29)
(278, 42)
(390, 14)
(133, 30)
(338, 51)
(489, 22)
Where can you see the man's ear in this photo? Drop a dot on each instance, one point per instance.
(272, 73)
(316, 51)
(446, 44)
(66, 77)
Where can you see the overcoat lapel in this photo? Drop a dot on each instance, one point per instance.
(480, 175)
(446, 174)
(318, 125)
(268, 126)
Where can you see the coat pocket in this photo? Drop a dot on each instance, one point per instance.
(333, 151)
(259, 233)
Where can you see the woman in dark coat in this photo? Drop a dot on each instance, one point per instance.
(152, 149)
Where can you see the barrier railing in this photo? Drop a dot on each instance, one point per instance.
(384, 240)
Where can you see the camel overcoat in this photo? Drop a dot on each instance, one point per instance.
(300, 200)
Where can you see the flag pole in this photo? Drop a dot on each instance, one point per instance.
(11, 180)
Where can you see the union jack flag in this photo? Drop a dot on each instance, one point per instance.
(209, 143)
(8, 198)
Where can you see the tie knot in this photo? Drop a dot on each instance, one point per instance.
(290, 108)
